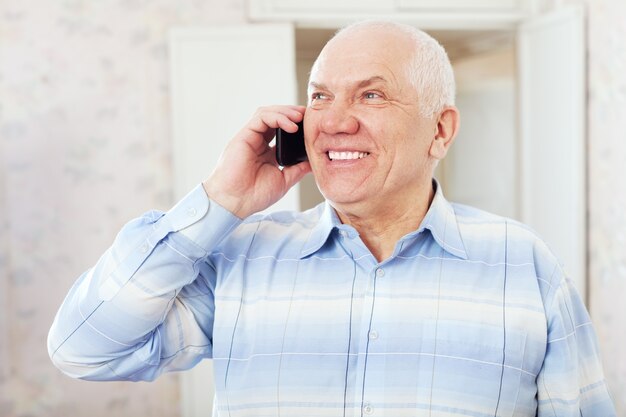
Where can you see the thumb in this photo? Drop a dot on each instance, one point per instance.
(294, 173)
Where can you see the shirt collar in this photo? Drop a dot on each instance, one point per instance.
(319, 235)
(440, 220)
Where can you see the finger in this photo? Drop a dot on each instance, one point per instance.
(294, 112)
(294, 173)
(284, 117)
(265, 122)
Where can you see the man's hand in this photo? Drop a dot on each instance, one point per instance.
(247, 178)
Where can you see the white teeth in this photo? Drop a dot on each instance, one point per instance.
(334, 155)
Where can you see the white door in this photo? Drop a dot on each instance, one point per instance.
(219, 76)
(552, 123)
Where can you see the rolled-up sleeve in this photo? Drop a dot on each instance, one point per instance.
(147, 305)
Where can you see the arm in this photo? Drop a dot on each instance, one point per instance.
(147, 306)
(134, 314)
(571, 381)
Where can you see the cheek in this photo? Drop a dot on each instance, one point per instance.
(311, 130)
(409, 153)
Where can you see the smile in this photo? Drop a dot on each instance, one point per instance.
(342, 156)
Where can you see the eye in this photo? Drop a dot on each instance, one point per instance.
(372, 95)
(318, 96)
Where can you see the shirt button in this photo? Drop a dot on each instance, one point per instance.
(343, 233)
(367, 409)
(373, 335)
(191, 211)
(380, 272)
(143, 248)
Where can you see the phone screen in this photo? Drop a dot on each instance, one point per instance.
(290, 148)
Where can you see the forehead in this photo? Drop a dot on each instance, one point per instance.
(362, 55)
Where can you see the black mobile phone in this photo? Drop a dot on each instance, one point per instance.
(290, 148)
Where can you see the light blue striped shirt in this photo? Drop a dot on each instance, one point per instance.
(472, 315)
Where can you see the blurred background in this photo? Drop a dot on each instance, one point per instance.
(111, 108)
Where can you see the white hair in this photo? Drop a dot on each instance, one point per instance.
(430, 71)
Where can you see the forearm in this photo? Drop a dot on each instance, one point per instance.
(123, 316)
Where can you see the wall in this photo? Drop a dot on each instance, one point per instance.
(4, 285)
(607, 195)
(85, 140)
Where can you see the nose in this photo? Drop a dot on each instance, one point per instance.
(338, 119)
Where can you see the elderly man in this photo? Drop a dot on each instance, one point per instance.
(384, 300)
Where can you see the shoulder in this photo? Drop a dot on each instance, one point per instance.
(488, 234)
(477, 224)
(482, 226)
(277, 233)
(287, 218)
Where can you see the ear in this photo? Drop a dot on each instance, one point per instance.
(446, 130)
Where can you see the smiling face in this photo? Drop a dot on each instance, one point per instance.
(368, 145)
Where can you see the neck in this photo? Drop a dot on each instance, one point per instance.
(383, 225)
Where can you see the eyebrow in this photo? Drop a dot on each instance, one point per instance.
(359, 84)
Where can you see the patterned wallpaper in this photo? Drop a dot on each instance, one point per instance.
(607, 194)
(85, 141)
(84, 146)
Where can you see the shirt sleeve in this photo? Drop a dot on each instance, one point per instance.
(147, 306)
(571, 381)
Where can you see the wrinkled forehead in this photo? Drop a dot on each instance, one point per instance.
(362, 54)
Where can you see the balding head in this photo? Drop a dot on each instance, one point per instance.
(428, 68)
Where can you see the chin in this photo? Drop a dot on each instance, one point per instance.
(340, 195)
(345, 190)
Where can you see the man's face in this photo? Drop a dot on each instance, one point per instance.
(366, 141)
